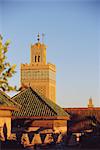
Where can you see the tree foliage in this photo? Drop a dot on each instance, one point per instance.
(6, 69)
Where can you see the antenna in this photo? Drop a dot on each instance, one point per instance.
(43, 37)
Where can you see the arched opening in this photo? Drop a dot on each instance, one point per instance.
(38, 58)
(35, 58)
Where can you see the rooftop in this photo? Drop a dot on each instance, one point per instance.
(6, 102)
(36, 106)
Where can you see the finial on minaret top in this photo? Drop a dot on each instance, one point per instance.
(90, 104)
(43, 37)
(38, 37)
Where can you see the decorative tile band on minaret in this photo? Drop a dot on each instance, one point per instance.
(39, 74)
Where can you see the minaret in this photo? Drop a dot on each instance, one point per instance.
(90, 104)
(39, 74)
(38, 52)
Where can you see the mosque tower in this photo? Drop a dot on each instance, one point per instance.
(90, 103)
(39, 74)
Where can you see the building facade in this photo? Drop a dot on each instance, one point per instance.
(83, 118)
(6, 108)
(41, 76)
(38, 117)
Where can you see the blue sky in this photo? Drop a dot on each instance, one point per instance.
(72, 34)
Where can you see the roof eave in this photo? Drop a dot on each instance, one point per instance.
(63, 117)
(9, 108)
(42, 117)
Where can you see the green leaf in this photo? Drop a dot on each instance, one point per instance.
(6, 70)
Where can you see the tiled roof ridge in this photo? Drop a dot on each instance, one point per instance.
(17, 105)
(42, 98)
(6, 96)
(19, 93)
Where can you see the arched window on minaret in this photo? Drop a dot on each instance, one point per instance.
(38, 58)
(35, 58)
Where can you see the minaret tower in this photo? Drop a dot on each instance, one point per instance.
(90, 103)
(39, 74)
(38, 52)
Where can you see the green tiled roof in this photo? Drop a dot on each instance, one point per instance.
(32, 104)
(5, 100)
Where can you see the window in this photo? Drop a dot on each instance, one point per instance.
(38, 58)
(35, 58)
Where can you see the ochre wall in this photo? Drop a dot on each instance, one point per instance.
(60, 126)
(5, 117)
(56, 125)
(41, 77)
